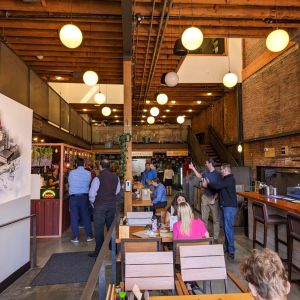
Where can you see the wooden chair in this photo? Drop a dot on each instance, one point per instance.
(178, 243)
(138, 245)
(205, 263)
(110, 294)
(149, 270)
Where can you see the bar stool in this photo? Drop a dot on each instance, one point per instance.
(293, 234)
(260, 215)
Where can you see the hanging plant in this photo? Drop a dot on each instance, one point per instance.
(126, 137)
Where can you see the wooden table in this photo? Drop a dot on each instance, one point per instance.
(141, 203)
(133, 229)
(277, 203)
(237, 296)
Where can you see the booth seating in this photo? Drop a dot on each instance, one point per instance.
(293, 234)
(260, 214)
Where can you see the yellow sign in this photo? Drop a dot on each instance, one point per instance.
(48, 194)
(142, 153)
(269, 152)
(178, 153)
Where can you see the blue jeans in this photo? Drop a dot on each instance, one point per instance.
(228, 215)
(79, 209)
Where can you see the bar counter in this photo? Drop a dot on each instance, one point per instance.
(274, 206)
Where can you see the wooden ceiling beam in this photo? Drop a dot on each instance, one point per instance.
(64, 6)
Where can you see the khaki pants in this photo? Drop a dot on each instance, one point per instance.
(206, 208)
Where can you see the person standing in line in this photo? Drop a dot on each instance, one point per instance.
(148, 175)
(102, 196)
(208, 200)
(159, 196)
(168, 179)
(228, 203)
(79, 182)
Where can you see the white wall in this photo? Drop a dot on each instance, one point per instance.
(16, 120)
(212, 68)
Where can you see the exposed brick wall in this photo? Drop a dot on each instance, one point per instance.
(221, 116)
(271, 97)
(254, 154)
(252, 48)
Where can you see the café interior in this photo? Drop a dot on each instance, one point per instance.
(165, 82)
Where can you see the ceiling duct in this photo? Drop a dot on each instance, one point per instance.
(32, 1)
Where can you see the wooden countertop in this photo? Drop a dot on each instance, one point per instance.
(278, 203)
(237, 296)
(140, 203)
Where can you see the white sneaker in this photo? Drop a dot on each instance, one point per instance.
(75, 241)
(89, 239)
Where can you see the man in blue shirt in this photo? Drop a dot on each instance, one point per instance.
(148, 175)
(79, 182)
(209, 201)
(159, 196)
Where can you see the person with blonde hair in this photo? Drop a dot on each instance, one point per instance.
(265, 274)
(187, 227)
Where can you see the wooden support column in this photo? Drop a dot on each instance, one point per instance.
(128, 129)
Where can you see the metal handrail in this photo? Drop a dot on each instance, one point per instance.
(220, 148)
(98, 272)
(34, 248)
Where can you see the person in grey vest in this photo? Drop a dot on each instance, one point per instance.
(102, 196)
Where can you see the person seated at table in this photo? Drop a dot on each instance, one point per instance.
(265, 274)
(187, 227)
(172, 210)
(159, 195)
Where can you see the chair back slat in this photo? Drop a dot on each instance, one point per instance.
(294, 225)
(259, 211)
(202, 262)
(149, 270)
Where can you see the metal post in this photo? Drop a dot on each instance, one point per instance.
(34, 248)
(113, 257)
(102, 282)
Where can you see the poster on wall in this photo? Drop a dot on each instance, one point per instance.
(15, 149)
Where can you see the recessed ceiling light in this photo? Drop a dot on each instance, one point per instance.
(199, 102)
(209, 94)
(143, 116)
(163, 116)
(58, 77)
(35, 139)
(84, 109)
(142, 121)
(145, 110)
(93, 120)
(147, 101)
(167, 110)
(96, 105)
(173, 101)
(114, 109)
(190, 110)
(42, 140)
(117, 121)
(116, 116)
(96, 124)
(40, 57)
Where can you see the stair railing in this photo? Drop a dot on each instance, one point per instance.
(198, 155)
(220, 148)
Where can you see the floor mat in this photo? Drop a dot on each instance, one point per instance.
(69, 267)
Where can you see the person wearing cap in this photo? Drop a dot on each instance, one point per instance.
(209, 202)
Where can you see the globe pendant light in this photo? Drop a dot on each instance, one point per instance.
(154, 111)
(192, 38)
(171, 79)
(90, 78)
(99, 98)
(162, 98)
(70, 35)
(277, 40)
(180, 119)
(230, 80)
(106, 111)
(150, 120)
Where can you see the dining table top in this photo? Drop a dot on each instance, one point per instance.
(236, 296)
(141, 203)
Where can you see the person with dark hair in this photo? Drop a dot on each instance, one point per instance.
(148, 175)
(265, 274)
(208, 200)
(159, 196)
(172, 210)
(79, 182)
(228, 203)
(102, 196)
(53, 180)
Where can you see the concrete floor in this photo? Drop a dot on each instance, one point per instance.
(21, 289)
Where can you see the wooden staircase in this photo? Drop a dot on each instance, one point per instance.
(210, 152)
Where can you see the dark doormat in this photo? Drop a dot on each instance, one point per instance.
(69, 267)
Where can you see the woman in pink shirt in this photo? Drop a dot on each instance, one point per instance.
(187, 227)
